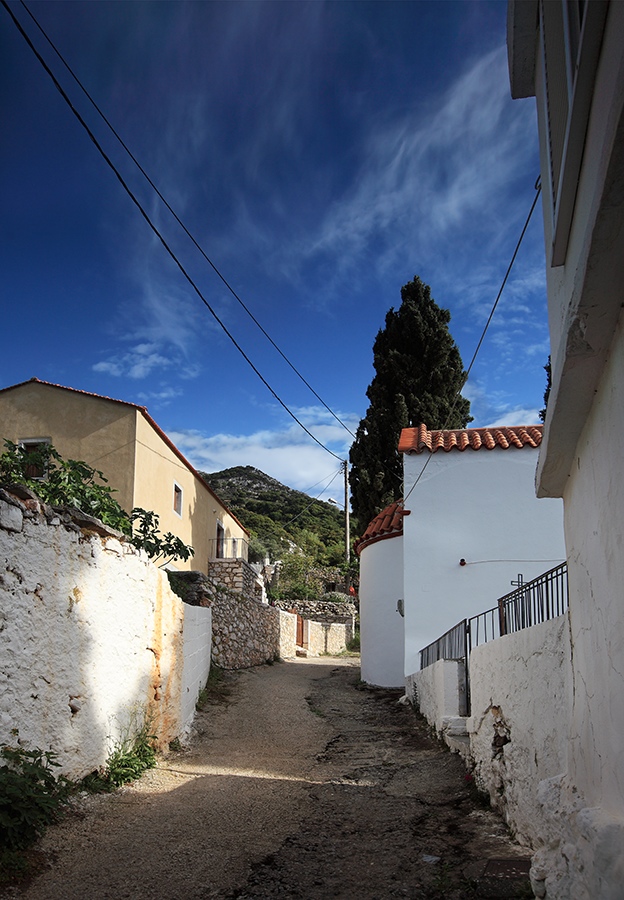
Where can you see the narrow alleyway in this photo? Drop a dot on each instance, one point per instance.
(299, 783)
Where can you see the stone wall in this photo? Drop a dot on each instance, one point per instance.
(238, 576)
(439, 691)
(322, 610)
(92, 638)
(521, 695)
(325, 637)
(244, 632)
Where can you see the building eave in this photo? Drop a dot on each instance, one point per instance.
(522, 34)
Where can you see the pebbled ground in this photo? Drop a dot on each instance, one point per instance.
(299, 782)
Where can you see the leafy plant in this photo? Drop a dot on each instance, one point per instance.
(66, 482)
(353, 645)
(146, 536)
(131, 756)
(30, 795)
(76, 484)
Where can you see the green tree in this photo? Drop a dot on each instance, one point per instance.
(548, 370)
(418, 376)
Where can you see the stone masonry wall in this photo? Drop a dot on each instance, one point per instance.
(237, 575)
(244, 632)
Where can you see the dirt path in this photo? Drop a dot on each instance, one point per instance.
(303, 784)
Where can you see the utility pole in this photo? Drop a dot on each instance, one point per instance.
(346, 505)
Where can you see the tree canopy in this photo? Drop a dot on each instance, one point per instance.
(418, 376)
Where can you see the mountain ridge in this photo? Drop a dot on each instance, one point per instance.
(278, 516)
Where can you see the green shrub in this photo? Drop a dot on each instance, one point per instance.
(354, 644)
(30, 795)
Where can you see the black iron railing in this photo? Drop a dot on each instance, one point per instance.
(452, 645)
(546, 597)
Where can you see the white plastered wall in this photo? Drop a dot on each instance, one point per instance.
(479, 506)
(381, 625)
(91, 640)
(583, 857)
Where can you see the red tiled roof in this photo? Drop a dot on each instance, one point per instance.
(144, 412)
(388, 524)
(415, 440)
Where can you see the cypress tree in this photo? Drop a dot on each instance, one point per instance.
(418, 376)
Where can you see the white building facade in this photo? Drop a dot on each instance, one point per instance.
(382, 636)
(475, 525)
(571, 58)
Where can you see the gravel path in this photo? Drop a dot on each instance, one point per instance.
(302, 783)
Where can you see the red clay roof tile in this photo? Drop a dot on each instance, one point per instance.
(388, 524)
(415, 440)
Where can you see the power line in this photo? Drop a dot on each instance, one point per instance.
(538, 189)
(181, 223)
(159, 234)
(314, 500)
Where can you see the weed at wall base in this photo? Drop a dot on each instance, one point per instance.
(131, 756)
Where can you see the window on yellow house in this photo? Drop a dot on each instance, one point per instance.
(177, 499)
(220, 541)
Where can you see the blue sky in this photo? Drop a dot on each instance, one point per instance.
(322, 154)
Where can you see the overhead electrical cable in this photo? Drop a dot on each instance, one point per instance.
(158, 234)
(181, 223)
(314, 500)
(538, 189)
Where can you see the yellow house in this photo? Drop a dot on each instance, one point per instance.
(144, 467)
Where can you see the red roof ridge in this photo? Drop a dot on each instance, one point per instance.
(387, 524)
(415, 440)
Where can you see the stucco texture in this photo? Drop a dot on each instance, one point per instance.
(91, 639)
(479, 506)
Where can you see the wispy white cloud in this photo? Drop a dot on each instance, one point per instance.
(516, 416)
(141, 361)
(285, 453)
(436, 176)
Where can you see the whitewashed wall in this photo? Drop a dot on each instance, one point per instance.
(381, 625)
(585, 858)
(479, 506)
(91, 636)
(325, 637)
(521, 694)
(440, 694)
(197, 634)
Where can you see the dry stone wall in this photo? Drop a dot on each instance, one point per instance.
(237, 575)
(92, 639)
(245, 632)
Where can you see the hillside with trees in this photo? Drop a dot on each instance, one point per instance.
(279, 518)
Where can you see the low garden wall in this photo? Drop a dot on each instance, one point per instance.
(521, 694)
(325, 637)
(521, 700)
(92, 639)
(439, 691)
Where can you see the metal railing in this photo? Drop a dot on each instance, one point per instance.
(452, 645)
(228, 548)
(546, 597)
